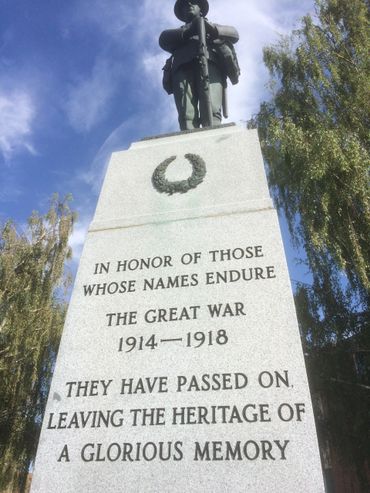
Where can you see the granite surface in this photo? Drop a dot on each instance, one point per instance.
(181, 367)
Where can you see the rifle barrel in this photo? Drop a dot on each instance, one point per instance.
(205, 95)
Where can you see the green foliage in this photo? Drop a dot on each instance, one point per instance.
(32, 310)
(315, 135)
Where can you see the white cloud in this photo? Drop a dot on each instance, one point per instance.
(87, 100)
(17, 112)
(77, 239)
(123, 21)
(260, 23)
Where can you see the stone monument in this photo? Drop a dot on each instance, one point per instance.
(180, 368)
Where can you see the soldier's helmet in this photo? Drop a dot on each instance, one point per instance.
(203, 4)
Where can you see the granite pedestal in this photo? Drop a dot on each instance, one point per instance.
(181, 366)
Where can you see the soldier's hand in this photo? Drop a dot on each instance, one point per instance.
(190, 29)
(211, 30)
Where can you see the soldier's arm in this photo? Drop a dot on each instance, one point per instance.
(171, 39)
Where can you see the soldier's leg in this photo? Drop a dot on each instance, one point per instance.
(186, 98)
(216, 90)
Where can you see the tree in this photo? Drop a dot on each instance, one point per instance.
(315, 134)
(32, 310)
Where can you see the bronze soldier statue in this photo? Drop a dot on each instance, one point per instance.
(202, 58)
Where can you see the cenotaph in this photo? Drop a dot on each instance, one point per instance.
(180, 368)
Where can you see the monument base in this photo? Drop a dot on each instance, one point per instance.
(181, 367)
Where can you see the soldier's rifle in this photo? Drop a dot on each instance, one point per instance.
(204, 71)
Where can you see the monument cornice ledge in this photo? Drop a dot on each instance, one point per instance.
(183, 214)
(190, 135)
(185, 132)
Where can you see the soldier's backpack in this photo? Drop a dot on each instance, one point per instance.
(228, 60)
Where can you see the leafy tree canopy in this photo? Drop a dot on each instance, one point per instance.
(316, 137)
(32, 310)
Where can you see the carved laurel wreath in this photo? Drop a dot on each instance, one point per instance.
(162, 185)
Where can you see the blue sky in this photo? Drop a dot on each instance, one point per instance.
(82, 78)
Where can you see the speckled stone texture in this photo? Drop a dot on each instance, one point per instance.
(199, 384)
